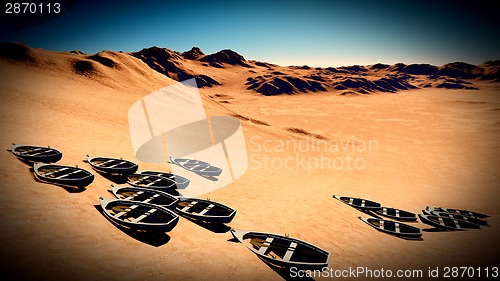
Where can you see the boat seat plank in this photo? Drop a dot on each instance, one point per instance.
(351, 201)
(138, 219)
(104, 163)
(68, 174)
(32, 150)
(265, 245)
(441, 222)
(119, 163)
(151, 198)
(38, 153)
(131, 197)
(381, 226)
(290, 251)
(140, 179)
(457, 225)
(396, 225)
(56, 171)
(118, 215)
(189, 206)
(206, 209)
(363, 202)
(153, 182)
(397, 213)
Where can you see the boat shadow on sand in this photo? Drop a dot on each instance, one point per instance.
(70, 189)
(212, 178)
(211, 226)
(283, 272)
(153, 238)
(436, 229)
(116, 178)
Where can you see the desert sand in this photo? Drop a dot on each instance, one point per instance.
(429, 146)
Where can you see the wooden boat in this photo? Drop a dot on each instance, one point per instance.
(30, 153)
(457, 212)
(149, 181)
(63, 175)
(359, 203)
(197, 166)
(145, 195)
(139, 215)
(283, 251)
(446, 223)
(394, 228)
(458, 217)
(112, 165)
(180, 181)
(397, 214)
(205, 210)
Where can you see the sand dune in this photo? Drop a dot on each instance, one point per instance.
(423, 146)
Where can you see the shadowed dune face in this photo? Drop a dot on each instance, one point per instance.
(270, 86)
(84, 67)
(193, 54)
(14, 51)
(170, 63)
(226, 56)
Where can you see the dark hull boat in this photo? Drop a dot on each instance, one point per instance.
(446, 223)
(396, 214)
(63, 175)
(457, 212)
(197, 166)
(112, 165)
(393, 228)
(458, 217)
(149, 181)
(180, 181)
(145, 195)
(205, 210)
(283, 251)
(359, 203)
(32, 154)
(139, 215)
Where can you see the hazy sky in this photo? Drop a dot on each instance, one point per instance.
(316, 33)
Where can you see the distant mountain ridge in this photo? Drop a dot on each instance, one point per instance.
(271, 79)
(353, 79)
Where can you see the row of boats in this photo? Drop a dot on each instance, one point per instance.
(147, 203)
(438, 217)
